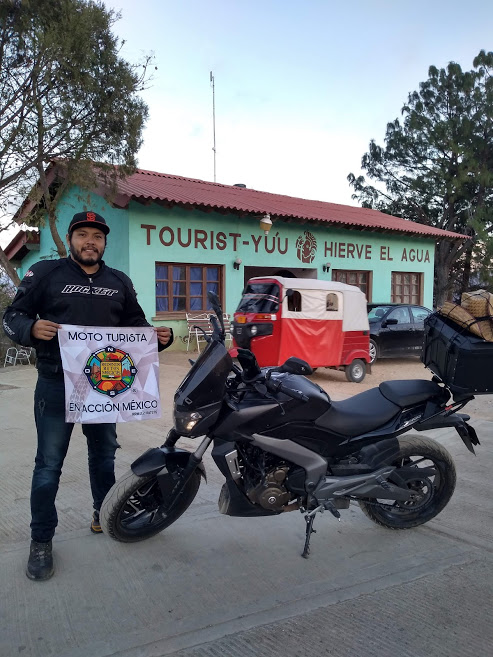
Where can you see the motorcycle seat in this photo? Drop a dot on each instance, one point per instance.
(359, 414)
(409, 393)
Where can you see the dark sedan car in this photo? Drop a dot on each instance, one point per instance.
(396, 329)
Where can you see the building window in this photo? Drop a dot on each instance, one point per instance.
(406, 287)
(360, 279)
(183, 288)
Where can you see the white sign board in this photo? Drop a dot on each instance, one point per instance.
(111, 374)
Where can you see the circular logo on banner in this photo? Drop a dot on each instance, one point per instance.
(110, 371)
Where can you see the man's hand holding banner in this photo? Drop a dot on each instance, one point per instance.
(111, 374)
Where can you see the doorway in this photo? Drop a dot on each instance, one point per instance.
(286, 272)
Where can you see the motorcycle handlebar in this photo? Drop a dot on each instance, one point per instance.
(276, 386)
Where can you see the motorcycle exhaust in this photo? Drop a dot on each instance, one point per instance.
(361, 486)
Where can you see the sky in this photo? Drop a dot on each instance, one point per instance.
(301, 86)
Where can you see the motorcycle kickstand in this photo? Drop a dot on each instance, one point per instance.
(309, 518)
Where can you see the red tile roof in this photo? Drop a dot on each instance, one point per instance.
(21, 243)
(145, 186)
(148, 186)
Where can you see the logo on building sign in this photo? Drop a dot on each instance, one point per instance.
(306, 247)
(110, 371)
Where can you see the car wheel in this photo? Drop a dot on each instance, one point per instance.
(373, 351)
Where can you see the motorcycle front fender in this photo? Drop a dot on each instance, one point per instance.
(156, 458)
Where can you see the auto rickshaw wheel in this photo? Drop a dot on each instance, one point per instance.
(356, 371)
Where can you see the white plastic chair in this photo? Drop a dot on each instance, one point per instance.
(227, 328)
(24, 354)
(193, 321)
(10, 356)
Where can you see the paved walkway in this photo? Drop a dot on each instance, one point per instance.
(211, 585)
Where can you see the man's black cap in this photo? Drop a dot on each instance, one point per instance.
(88, 219)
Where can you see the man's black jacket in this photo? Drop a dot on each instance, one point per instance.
(61, 291)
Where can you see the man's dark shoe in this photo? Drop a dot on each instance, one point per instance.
(95, 526)
(40, 564)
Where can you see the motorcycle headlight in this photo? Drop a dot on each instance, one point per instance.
(185, 422)
(253, 330)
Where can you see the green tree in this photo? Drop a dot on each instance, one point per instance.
(436, 167)
(65, 94)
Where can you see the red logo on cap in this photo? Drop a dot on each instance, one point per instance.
(91, 216)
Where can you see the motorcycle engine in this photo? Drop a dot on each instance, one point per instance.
(270, 493)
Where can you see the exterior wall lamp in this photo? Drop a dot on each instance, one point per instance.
(326, 267)
(237, 263)
(266, 224)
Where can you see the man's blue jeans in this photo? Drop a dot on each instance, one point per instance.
(53, 440)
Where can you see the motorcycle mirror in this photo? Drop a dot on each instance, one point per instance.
(296, 366)
(249, 365)
(215, 303)
(216, 307)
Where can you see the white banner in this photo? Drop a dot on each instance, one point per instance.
(111, 374)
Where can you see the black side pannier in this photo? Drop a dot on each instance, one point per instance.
(463, 361)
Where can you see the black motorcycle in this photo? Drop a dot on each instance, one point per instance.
(283, 445)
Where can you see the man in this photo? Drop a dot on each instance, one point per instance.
(78, 290)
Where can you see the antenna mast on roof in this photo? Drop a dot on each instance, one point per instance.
(213, 122)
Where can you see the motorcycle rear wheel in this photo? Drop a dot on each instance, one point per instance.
(436, 489)
(133, 509)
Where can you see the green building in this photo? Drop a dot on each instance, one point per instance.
(178, 237)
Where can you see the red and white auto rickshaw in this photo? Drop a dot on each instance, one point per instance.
(323, 322)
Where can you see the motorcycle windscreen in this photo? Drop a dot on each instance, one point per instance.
(206, 380)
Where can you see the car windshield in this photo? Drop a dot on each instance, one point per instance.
(375, 314)
(260, 298)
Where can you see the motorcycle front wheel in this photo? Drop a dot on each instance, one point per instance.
(434, 482)
(134, 509)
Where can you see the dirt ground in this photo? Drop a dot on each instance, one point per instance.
(386, 369)
(335, 382)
